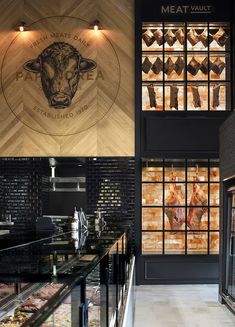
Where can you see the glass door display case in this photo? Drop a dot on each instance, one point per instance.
(186, 66)
(229, 286)
(180, 207)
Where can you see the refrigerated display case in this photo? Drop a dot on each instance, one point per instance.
(52, 282)
(228, 255)
(186, 66)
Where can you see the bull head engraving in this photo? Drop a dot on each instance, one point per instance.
(60, 66)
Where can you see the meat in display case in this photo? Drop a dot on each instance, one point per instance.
(85, 286)
(180, 206)
(186, 66)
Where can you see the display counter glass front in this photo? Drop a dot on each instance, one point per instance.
(57, 281)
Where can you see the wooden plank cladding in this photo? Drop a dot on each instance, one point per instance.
(67, 90)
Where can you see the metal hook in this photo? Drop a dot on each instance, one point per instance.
(197, 170)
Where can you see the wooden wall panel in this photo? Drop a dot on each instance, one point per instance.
(113, 135)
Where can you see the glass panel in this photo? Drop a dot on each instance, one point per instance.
(93, 297)
(219, 37)
(174, 67)
(152, 67)
(174, 243)
(214, 243)
(197, 67)
(152, 97)
(152, 243)
(214, 174)
(197, 96)
(174, 37)
(174, 97)
(197, 37)
(175, 194)
(152, 37)
(152, 218)
(197, 218)
(197, 194)
(214, 194)
(197, 242)
(219, 64)
(197, 170)
(218, 96)
(175, 218)
(112, 290)
(67, 314)
(175, 170)
(6, 290)
(152, 174)
(151, 194)
(214, 218)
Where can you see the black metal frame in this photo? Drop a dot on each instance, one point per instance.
(185, 52)
(224, 241)
(206, 267)
(185, 207)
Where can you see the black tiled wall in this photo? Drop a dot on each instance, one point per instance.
(20, 190)
(111, 188)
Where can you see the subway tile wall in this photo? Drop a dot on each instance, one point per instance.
(20, 190)
(110, 184)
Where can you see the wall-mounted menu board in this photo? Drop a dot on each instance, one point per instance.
(186, 66)
(180, 206)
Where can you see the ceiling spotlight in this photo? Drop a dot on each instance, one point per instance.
(95, 25)
(21, 27)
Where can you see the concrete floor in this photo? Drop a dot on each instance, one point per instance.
(180, 306)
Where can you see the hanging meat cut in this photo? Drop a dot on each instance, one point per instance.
(218, 66)
(169, 66)
(205, 66)
(170, 37)
(157, 66)
(146, 65)
(216, 92)
(180, 36)
(197, 204)
(193, 37)
(179, 65)
(221, 37)
(174, 90)
(196, 97)
(148, 38)
(176, 214)
(204, 38)
(152, 96)
(193, 66)
(158, 35)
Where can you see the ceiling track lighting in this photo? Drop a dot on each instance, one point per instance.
(96, 26)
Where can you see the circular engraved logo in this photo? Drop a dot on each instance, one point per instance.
(60, 78)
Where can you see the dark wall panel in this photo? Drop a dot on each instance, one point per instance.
(179, 269)
(151, 10)
(227, 148)
(164, 135)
